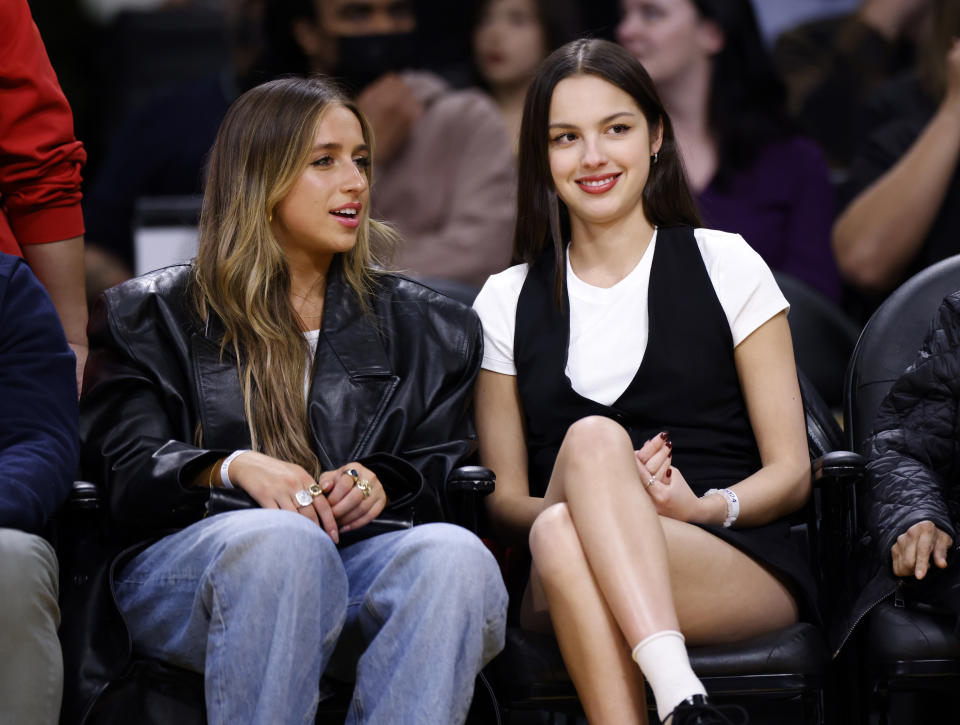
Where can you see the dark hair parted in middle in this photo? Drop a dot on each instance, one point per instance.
(542, 218)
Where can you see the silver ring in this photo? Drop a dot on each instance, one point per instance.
(653, 480)
(303, 498)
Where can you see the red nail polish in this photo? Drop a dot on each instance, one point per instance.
(665, 435)
(669, 471)
(669, 445)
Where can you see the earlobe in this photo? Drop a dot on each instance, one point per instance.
(657, 140)
(712, 38)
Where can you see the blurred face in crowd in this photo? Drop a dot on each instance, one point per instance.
(321, 213)
(345, 18)
(509, 42)
(669, 37)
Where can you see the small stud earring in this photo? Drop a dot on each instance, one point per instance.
(655, 157)
(270, 218)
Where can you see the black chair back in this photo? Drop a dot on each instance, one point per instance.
(823, 337)
(889, 343)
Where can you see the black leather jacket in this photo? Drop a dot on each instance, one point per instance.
(390, 389)
(913, 462)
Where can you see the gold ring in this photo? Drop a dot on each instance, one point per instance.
(365, 488)
(315, 489)
(352, 472)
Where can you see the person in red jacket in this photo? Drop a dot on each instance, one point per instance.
(40, 165)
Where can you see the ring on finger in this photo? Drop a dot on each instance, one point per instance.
(303, 498)
(352, 472)
(365, 488)
(316, 489)
(653, 480)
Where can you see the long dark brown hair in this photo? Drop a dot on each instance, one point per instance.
(542, 217)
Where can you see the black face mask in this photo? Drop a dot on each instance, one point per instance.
(364, 58)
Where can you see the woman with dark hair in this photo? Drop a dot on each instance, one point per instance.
(631, 345)
(283, 363)
(749, 170)
(510, 39)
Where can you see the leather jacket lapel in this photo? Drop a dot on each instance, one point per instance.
(219, 397)
(353, 380)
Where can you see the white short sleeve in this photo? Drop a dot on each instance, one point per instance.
(743, 282)
(496, 305)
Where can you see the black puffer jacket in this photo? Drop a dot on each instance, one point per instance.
(913, 462)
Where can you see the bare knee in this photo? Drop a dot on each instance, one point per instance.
(596, 431)
(553, 540)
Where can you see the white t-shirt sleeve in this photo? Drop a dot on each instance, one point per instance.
(496, 305)
(743, 282)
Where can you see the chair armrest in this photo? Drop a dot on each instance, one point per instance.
(471, 479)
(843, 467)
(84, 496)
(464, 489)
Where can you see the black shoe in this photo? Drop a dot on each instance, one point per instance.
(698, 710)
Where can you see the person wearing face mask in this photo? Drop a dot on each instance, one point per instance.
(446, 175)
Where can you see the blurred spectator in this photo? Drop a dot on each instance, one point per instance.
(777, 16)
(904, 182)
(750, 172)
(510, 38)
(831, 67)
(40, 164)
(38, 457)
(443, 169)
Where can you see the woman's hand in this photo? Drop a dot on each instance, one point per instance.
(274, 485)
(666, 486)
(345, 490)
(916, 546)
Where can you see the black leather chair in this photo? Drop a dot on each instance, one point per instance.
(151, 692)
(904, 652)
(823, 337)
(783, 677)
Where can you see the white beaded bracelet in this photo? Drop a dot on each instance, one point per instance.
(733, 504)
(225, 466)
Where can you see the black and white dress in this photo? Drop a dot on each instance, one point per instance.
(654, 352)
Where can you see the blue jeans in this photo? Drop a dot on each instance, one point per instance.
(263, 603)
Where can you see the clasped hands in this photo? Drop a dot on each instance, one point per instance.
(668, 489)
(343, 507)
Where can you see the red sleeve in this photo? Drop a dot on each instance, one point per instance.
(40, 160)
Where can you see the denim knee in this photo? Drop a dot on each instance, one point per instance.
(276, 548)
(457, 566)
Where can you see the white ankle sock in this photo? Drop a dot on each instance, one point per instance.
(663, 660)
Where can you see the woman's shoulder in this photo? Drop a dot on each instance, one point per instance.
(405, 300)
(166, 287)
(501, 291)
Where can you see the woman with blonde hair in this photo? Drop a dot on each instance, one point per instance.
(332, 397)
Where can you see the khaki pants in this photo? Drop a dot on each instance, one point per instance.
(31, 665)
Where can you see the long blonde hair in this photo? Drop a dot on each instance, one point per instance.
(240, 274)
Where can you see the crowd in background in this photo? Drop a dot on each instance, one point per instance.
(790, 116)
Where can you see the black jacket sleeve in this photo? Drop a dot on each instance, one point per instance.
(913, 454)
